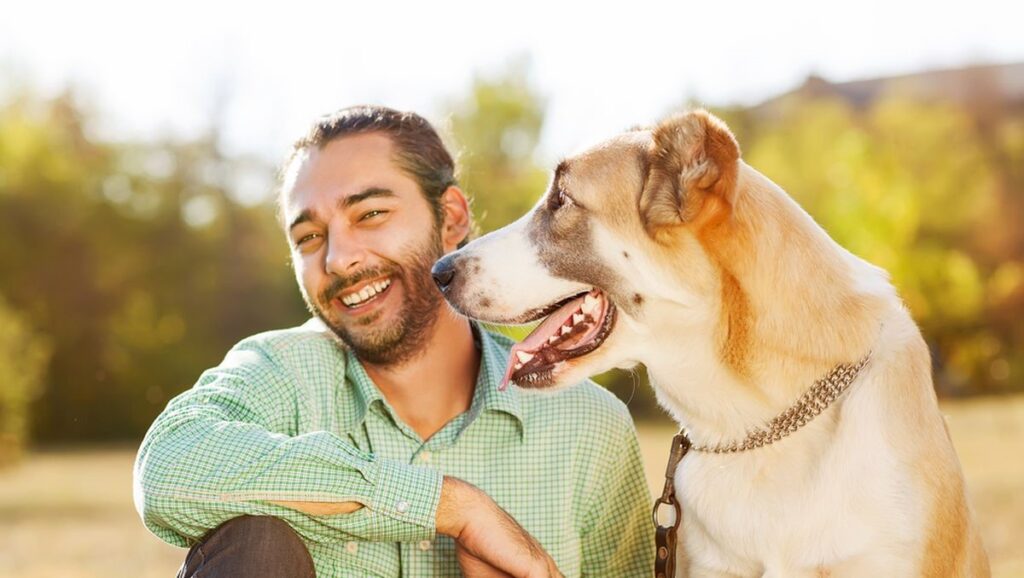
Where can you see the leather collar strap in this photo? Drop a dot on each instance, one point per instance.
(665, 536)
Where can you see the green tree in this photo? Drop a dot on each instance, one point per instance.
(907, 186)
(135, 259)
(496, 128)
(23, 357)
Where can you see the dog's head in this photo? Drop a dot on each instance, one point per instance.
(612, 250)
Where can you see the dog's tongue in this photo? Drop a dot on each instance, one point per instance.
(539, 337)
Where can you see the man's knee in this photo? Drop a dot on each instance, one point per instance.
(254, 546)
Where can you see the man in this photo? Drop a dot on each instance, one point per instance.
(341, 446)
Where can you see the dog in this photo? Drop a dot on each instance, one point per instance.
(661, 246)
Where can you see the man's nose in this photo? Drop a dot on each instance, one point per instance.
(344, 254)
(443, 272)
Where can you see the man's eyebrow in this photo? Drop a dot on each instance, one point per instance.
(303, 217)
(363, 195)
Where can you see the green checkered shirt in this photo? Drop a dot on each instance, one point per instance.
(291, 415)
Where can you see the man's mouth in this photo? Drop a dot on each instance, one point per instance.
(578, 326)
(361, 296)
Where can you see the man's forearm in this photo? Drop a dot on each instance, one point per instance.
(456, 498)
(488, 540)
(191, 476)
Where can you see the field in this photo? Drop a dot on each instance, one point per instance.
(69, 514)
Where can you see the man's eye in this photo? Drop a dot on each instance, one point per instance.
(306, 238)
(371, 214)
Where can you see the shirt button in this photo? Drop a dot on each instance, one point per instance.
(351, 547)
(425, 545)
(402, 507)
(425, 456)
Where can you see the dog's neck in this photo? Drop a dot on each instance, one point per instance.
(792, 304)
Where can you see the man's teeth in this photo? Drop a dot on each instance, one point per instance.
(371, 289)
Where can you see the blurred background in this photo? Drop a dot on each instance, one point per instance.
(139, 145)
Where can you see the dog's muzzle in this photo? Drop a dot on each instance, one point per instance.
(443, 272)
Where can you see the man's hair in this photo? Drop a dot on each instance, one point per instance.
(419, 151)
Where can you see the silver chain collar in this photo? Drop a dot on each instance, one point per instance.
(814, 401)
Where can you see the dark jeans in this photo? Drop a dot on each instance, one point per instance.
(249, 546)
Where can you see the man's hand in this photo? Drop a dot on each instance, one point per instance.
(489, 542)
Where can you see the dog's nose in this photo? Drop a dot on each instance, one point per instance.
(443, 272)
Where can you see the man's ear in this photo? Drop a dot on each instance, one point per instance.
(457, 223)
(693, 155)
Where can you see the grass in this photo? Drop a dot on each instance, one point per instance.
(69, 513)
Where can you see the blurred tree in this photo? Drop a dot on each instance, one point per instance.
(496, 128)
(134, 260)
(906, 185)
(23, 358)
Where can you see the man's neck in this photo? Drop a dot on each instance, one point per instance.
(437, 384)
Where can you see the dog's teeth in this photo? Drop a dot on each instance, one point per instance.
(552, 339)
(576, 318)
(566, 329)
(518, 366)
(589, 303)
(523, 356)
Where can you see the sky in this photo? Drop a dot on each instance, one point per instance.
(263, 72)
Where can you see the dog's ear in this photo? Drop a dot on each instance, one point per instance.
(693, 156)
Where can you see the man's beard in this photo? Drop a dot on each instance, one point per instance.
(402, 339)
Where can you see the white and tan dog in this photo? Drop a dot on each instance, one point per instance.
(662, 247)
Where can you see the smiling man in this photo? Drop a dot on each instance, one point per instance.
(374, 439)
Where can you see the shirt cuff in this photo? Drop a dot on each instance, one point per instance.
(405, 499)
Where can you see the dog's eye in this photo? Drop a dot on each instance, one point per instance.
(560, 199)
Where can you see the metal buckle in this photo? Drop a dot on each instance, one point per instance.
(657, 508)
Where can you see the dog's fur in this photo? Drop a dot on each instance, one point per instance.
(737, 301)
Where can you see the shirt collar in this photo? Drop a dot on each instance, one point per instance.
(486, 396)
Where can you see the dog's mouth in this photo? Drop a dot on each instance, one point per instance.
(579, 325)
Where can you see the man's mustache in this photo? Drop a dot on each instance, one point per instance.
(340, 283)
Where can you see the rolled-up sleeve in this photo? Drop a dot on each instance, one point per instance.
(217, 452)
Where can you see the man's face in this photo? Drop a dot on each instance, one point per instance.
(363, 239)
